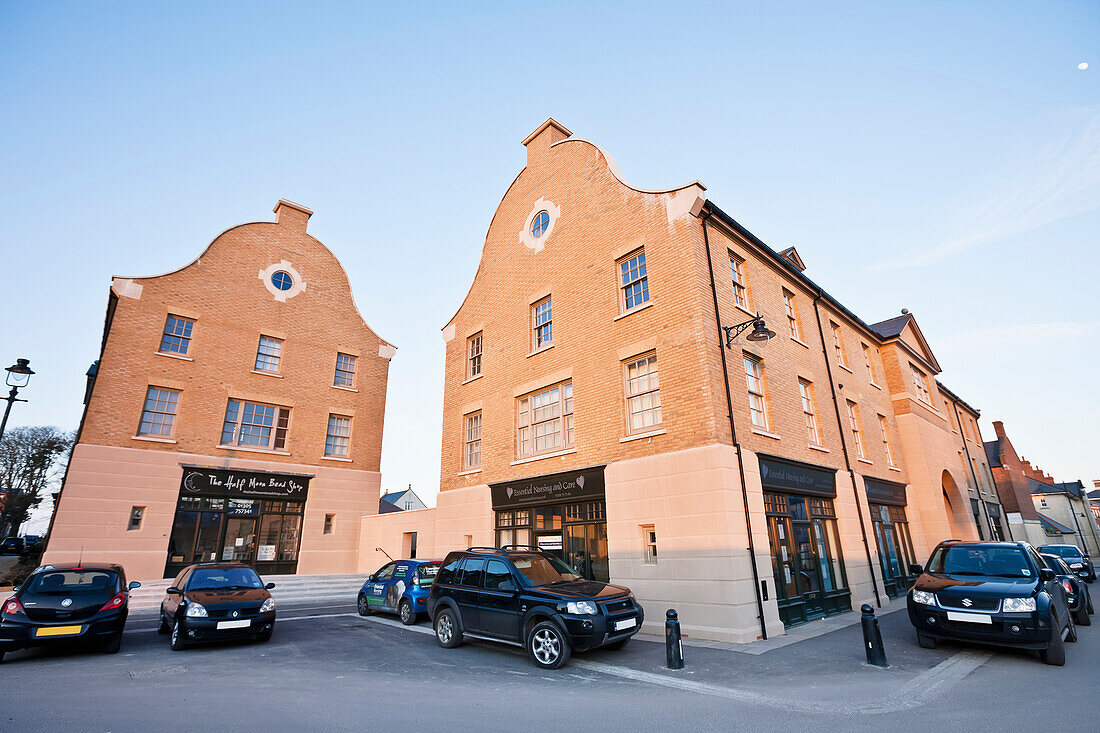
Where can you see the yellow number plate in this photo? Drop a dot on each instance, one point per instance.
(58, 630)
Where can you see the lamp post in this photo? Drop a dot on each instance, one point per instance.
(760, 333)
(19, 374)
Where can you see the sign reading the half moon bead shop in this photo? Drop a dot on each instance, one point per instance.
(245, 484)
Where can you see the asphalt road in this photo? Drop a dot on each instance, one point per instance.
(326, 668)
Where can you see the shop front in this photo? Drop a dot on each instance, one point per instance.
(807, 565)
(562, 513)
(238, 516)
(891, 525)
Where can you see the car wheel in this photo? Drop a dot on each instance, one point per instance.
(164, 628)
(362, 606)
(178, 642)
(1088, 597)
(1071, 633)
(924, 641)
(113, 644)
(2, 653)
(1055, 653)
(547, 645)
(617, 645)
(1081, 616)
(447, 632)
(408, 615)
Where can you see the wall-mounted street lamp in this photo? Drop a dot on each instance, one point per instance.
(19, 374)
(760, 333)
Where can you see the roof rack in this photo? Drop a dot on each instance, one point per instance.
(485, 549)
(522, 547)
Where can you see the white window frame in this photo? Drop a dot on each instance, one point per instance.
(474, 351)
(538, 324)
(555, 406)
(790, 305)
(642, 390)
(887, 443)
(471, 444)
(649, 544)
(809, 410)
(639, 281)
(855, 420)
(740, 281)
(165, 406)
(334, 441)
(757, 387)
(273, 345)
(345, 370)
(869, 361)
(184, 336)
(920, 383)
(274, 440)
(838, 345)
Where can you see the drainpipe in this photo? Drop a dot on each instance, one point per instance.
(970, 464)
(733, 434)
(844, 446)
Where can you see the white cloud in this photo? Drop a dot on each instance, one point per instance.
(1061, 180)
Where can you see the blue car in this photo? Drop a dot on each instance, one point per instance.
(399, 587)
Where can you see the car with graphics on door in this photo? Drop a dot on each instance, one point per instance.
(528, 597)
(998, 593)
(399, 586)
(67, 604)
(217, 602)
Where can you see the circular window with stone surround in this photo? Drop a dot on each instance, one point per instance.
(539, 225)
(282, 280)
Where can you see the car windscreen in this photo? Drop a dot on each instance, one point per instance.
(426, 573)
(72, 582)
(224, 579)
(1067, 551)
(542, 570)
(980, 560)
(1057, 564)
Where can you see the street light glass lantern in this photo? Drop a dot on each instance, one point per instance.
(19, 374)
(760, 334)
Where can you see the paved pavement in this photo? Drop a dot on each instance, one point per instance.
(328, 668)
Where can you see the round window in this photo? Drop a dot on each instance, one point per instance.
(540, 224)
(282, 280)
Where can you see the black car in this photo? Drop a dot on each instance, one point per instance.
(12, 546)
(999, 593)
(1078, 561)
(217, 602)
(524, 596)
(1077, 591)
(63, 604)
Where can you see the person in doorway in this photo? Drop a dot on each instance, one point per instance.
(580, 563)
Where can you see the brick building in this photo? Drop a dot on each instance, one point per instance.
(235, 413)
(752, 487)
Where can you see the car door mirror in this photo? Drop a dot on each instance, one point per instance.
(508, 586)
(370, 578)
(173, 591)
(16, 589)
(1046, 574)
(915, 569)
(269, 586)
(133, 584)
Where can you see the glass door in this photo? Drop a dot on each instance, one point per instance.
(808, 568)
(206, 541)
(240, 539)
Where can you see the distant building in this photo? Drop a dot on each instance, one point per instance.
(1067, 504)
(400, 501)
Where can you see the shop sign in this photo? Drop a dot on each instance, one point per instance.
(244, 484)
(585, 484)
(884, 492)
(550, 542)
(798, 477)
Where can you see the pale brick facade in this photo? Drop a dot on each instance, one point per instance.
(678, 526)
(228, 297)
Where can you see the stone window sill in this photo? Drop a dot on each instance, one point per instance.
(479, 376)
(823, 449)
(541, 349)
(864, 460)
(633, 310)
(765, 433)
(800, 341)
(744, 310)
(336, 458)
(471, 472)
(894, 468)
(875, 385)
(345, 388)
(253, 449)
(639, 436)
(153, 439)
(846, 368)
(267, 374)
(174, 356)
(539, 458)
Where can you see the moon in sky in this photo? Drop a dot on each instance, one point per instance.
(1082, 66)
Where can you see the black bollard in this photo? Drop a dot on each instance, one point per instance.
(872, 637)
(674, 646)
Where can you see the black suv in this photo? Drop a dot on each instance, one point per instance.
(1078, 561)
(998, 593)
(522, 595)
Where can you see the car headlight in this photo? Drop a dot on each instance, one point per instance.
(587, 608)
(269, 605)
(924, 597)
(196, 610)
(1076, 565)
(1019, 605)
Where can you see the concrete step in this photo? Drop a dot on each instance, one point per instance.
(288, 588)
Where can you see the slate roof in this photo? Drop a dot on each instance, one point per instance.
(1049, 523)
(1039, 487)
(1073, 487)
(892, 327)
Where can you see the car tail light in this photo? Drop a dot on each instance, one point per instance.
(1068, 586)
(13, 607)
(117, 602)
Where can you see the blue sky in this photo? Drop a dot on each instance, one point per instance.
(943, 157)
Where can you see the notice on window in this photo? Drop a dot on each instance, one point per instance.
(266, 553)
(239, 542)
(550, 542)
(227, 553)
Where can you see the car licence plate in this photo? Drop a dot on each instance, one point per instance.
(626, 623)
(242, 624)
(58, 630)
(970, 618)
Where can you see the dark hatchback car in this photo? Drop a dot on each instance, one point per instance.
(217, 602)
(12, 546)
(530, 598)
(67, 604)
(1077, 590)
(1078, 561)
(999, 593)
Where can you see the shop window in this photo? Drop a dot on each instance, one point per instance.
(338, 436)
(473, 355)
(176, 338)
(542, 323)
(330, 520)
(643, 394)
(754, 379)
(740, 285)
(159, 413)
(268, 354)
(345, 371)
(514, 528)
(544, 421)
(633, 281)
(649, 544)
(472, 449)
(136, 515)
(255, 424)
